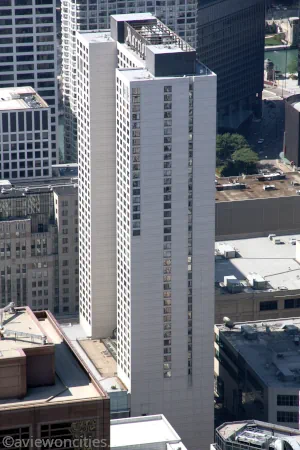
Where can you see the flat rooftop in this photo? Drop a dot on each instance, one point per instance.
(272, 353)
(143, 431)
(24, 322)
(18, 98)
(22, 188)
(132, 17)
(256, 432)
(275, 263)
(136, 74)
(255, 189)
(72, 379)
(96, 356)
(95, 36)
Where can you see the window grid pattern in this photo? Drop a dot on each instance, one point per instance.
(28, 53)
(24, 144)
(124, 142)
(167, 198)
(136, 163)
(84, 186)
(190, 234)
(288, 400)
(287, 416)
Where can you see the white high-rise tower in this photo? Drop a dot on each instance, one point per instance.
(179, 15)
(147, 129)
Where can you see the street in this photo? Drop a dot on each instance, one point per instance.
(270, 128)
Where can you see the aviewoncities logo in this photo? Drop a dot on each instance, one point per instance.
(82, 443)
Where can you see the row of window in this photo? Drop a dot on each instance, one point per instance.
(190, 236)
(288, 400)
(136, 163)
(167, 199)
(287, 416)
(273, 304)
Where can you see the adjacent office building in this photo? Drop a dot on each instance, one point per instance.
(28, 53)
(257, 369)
(46, 390)
(257, 205)
(253, 434)
(179, 15)
(39, 245)
(147, 126)
(230, 41)
(25, 134)
(258, 278)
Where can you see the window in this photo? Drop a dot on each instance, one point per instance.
(268, 306)
(287, 416)
(287, 400)
(292, 303)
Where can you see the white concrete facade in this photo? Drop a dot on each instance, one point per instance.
(97, 181)
(179, 15)
(164, 198)
(165, 339)
(28, 53)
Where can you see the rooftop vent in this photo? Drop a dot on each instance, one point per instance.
(271, 176)
(256, 281)
(249, 332)
(232, 284)
(230, 186)
(226, 250)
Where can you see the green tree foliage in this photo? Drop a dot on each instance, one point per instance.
(228, 143)
(245, 160)
(234, 155)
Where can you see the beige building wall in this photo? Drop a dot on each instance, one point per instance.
(40, 269)
(258, 217)
(243, 306)
(67, 273)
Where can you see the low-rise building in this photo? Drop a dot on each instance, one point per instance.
(144, 433)
(39, 244)
(46, 391)
(258, 278)
(257, 205)
(257, 369)
(253, 434)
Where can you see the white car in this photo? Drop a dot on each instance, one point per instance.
(260, 141)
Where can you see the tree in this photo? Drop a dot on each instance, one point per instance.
(292, 67)
(245, 160)
(228, 143)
